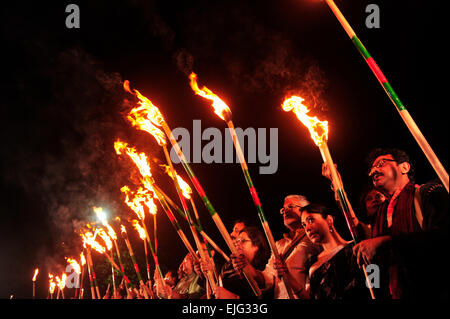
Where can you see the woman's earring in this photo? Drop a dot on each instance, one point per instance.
(331, 229)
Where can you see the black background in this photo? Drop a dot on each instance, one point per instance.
(62, 109)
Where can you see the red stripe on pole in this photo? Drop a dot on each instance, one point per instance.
(198, 187)
(255, 196)
(136, 267)
(375, 69)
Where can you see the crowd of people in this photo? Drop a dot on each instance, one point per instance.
(402, 229)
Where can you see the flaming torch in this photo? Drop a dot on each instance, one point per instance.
(198, 226)
(52, 285)
(136, 205)
(406, 117)
(142, 236)
(185, 191)
(36, 271)
(223, 111)
(144, 168)
(76, 267)
(319, 133)
(99, 248)
(133, 258)
(139, 117)
(112, 234)
(83, 262)
(89, 240)
(154, 115)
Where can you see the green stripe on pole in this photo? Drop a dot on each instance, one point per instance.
(394, 96)
(209, 206)
(261, 214)
(248, 178)
(361, 48)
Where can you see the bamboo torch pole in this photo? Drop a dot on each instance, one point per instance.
(406, 117)
(224, 112)
(155, 116)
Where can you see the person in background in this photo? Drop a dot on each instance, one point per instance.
(295, 250)
(252, 245)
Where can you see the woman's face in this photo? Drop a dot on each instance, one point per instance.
(372, 201)
(245, 246)
(316, 227)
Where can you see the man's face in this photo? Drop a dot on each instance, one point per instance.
(385, 172)
(238, 227)
(187, 265)
(170, 278)
(291, 213)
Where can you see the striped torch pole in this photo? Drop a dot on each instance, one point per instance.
(133, 258)
(409, 121)
(319, 133)
(155, 116)
(224, 112)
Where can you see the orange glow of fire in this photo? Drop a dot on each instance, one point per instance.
(89, 239)
(220, 107)
(139, 118)
(101, 215)
(74, 264)
(139, 228)
(52, 284)
(146, 108)
(318, 129)
(61, 282)
(123, 229)
(185, 188)
(139, 199)
(105, 238)
(35, 274)
(83, 259)
(139, 159)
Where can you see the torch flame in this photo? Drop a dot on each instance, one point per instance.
(52, 284)
(139, 228)
(140, 198)
(102, 216)
(220, 107)
(105, 238)
(83, 259)
(62, 281)
(123, 229)
(139, 117)
(139, 159)
(35, 274)
(146, 107)
(318, 129)
(89, 239)
(185, 188)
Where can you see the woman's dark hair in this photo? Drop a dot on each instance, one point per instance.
(317, 209)
(259, 240)
(398, 155)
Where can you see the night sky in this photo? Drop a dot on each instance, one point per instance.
(63, 107)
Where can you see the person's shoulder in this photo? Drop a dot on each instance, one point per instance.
(431, 187)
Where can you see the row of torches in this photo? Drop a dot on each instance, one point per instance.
(147, 117)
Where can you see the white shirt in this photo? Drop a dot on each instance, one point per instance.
(296, 263)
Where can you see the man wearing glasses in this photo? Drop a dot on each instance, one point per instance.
(295, 249)
(410, 231)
